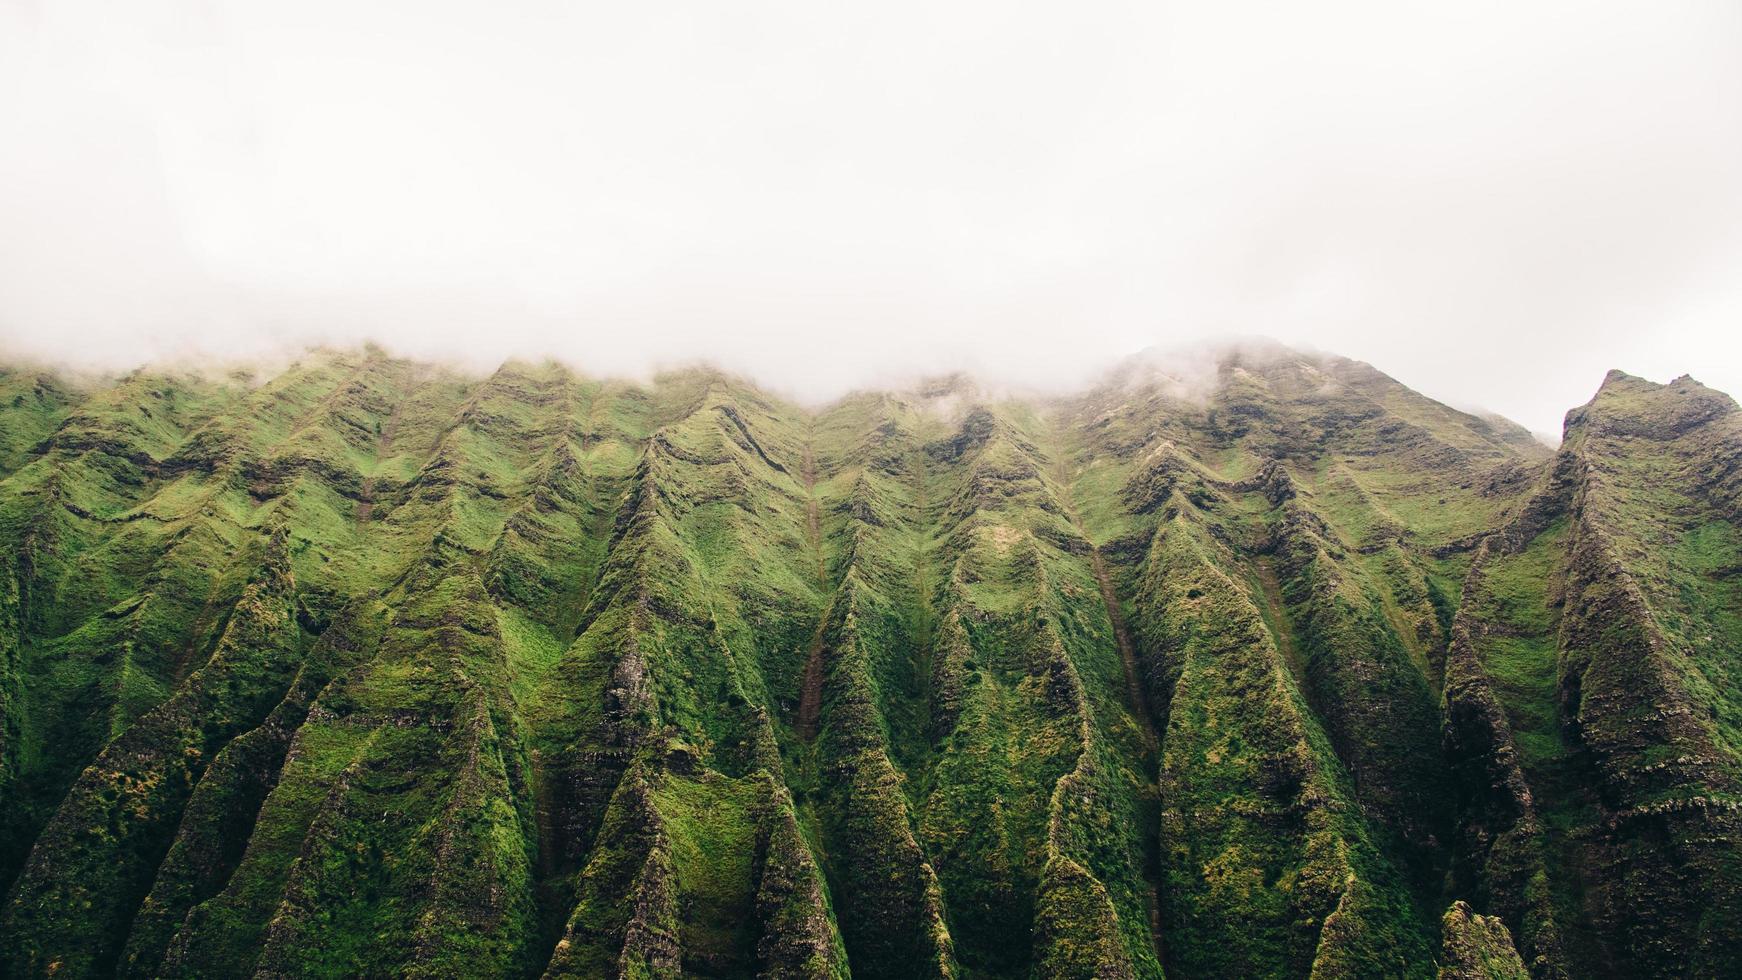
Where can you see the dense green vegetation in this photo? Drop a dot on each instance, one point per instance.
(368, 668)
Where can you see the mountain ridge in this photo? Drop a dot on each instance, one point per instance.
(1271, 666)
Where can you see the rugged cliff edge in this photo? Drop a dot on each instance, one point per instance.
(369, 668)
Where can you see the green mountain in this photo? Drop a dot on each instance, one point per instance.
(1279, 668)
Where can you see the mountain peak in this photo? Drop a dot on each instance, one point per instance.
(1626, 404)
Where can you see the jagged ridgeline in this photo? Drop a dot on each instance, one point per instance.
(367, 668)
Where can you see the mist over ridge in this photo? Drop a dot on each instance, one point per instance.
(1140, 490)
(1493, 205)
(1192, 369)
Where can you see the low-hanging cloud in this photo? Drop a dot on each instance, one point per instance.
(1494, 202)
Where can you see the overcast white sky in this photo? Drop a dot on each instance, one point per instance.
(1495, 202)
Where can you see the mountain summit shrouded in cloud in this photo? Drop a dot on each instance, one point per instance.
(1259, 665)
(805, 491)
(1496, 201)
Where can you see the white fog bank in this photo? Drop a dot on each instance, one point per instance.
(1493, 202)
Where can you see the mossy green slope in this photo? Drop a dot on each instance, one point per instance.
(370, 668)
(1477, 947)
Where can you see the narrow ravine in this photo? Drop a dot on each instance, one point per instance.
(1136, 698)
(810, 700)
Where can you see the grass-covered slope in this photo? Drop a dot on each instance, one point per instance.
(1273, 669)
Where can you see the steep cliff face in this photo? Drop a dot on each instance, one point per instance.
(370, 668)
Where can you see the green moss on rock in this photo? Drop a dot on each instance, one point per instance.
(373, 668)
